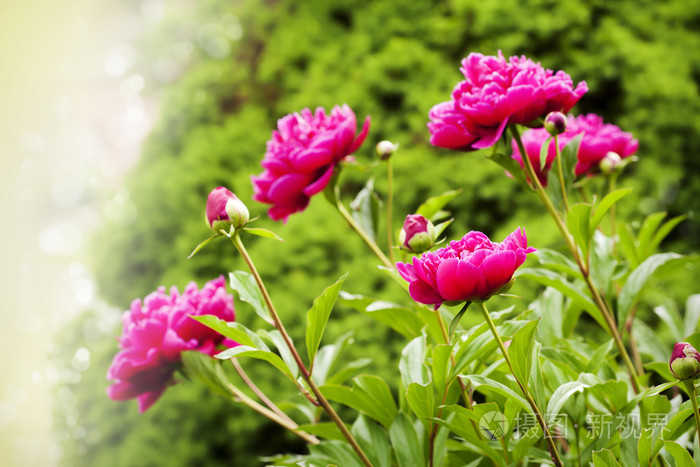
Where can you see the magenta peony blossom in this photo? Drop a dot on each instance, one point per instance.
(598, 139)
(301, 157)
(224, 209)
(497, 92)
(157, 331)
(473, 268)
(685, 361)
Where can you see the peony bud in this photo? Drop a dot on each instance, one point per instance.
(555, 123)
(610, 162)
(385, 149)
(225, 210)
(685, 361)
(418, 234)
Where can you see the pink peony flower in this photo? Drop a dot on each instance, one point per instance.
(685, 361)
(417, 234)
(598, 139)
(224, 209)
(157, 331)
(301, 157)
(473, 268)
(497, 92)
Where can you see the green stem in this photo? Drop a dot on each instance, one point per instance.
(290, 345)
(560, 169)
(256, 390)
(285, 422)
(370, 243)
(583, 266)
(692, 392)
(389, 203)
(554, 453)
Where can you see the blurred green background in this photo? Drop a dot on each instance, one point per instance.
(208, 80)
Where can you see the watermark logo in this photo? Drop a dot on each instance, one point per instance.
(493, 425)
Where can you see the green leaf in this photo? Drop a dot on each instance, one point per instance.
(528, 439)
(604, 206)
(457, 318)
(628, 243)
(646, 232)
(266, 355)
(559, 398)
(317, 316)
(556, 261)
(369, 395)
(604, 458)
(401, 319)
(421, 399)
(335, 453)
(441, 366)
(520, 351)
(637, 283)
(544, 152)
(234, 331)
(327, 430)
(679, 453)
(644, 453)
(487, 386)
(286, 354)
(662, 233)
(568, 158)
(373, 440)
(559, 283)
(511, 166)
(578, 222)
(406, 443)
(412, 363)
(207, 370)
(201, 245)
(365, 209)
(263, 233)
(248, 291)
(433, 205)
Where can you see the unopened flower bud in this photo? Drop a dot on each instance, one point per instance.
(610, 162)
(225, 210)
(555, 123)
(385, 149)
(418, 234)
(685, 361)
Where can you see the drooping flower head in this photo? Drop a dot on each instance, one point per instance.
(494, 93)
(157, 331)
(598, 140)
(685, 361)
(473, 268)
(224, 210)
(301, 157)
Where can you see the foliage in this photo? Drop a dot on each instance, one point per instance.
(640, 63)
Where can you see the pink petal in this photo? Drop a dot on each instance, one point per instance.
(498, 269)
(361, 137)
(321, 183)
(423, 293)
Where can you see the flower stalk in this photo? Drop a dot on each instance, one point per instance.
(554, 453)
(297, 358)
(583, 265)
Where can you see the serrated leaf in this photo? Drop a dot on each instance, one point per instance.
(263, 233)
(248, 291)
(637, 282)
(266, 355)
(433, 205)
(317, 316)
(520, 351)
(406, 443)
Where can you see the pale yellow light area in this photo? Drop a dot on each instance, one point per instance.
(55, 97)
